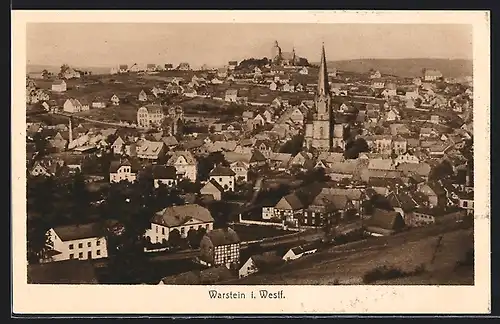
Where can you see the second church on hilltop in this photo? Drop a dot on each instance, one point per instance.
(321, 132)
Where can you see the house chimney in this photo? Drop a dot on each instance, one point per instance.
(70, 126)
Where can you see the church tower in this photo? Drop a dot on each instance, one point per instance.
(321, 123)
(276, 53)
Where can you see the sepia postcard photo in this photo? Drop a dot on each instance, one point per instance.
(238, 162)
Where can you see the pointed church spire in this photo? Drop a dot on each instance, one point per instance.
(323, 87)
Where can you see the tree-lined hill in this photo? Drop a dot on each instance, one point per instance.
(405, 67)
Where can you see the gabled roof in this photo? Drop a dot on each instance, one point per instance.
(186, 154)
(223, 236)
(387, 220)
(422, 168)
(266, 260)
(192, 144)
(290, 201)
(177, 215)
(235, 156)
(350, 193)
(115, 165)
(152, 108)
(164, 172)
(328, 200)
(170, 140)
(330, 157)
(257, 156)
(381, 164)
(77, 232)
(222, 171)
(210, 186)
(401, 200)
(59, 82)
(150, 147)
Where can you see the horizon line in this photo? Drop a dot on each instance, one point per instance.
(311, 62)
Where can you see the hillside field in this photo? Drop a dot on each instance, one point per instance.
(438, 254)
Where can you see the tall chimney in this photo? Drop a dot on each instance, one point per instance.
(70, 131)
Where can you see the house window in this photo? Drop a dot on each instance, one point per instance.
(220, 179)
(465, 204)
(98, 242)
(80, 245)
(71, 246)
(156, 228)
(183, 230)
(98, 252)
(89, 244)
(80, 255)
(163, 231)
(71, 256)
(207, 226)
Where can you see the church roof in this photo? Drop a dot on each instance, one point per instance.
(323, 87)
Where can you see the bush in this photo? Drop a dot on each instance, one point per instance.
(382, 273)
(385, 273)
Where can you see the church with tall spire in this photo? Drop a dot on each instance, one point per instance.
(320, 126)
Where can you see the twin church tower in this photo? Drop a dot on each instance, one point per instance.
(321, 132)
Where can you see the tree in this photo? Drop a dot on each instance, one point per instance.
(38, 242)
(132, 205)
(315, 175)
(376, 201)
(45, 74)
(63, 70)
(206, 164)
(174, 238)
(418, 102)
(441, 171)
(294, 145)
(166, 197)
(41, 144)
(187, 186)
(194, 238)
(354, 148)
(80, 199)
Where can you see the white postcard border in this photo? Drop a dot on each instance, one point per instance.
(145, 299)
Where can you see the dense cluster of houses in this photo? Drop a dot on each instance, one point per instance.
(410, 127)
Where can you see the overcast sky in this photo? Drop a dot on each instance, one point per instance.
(100, 44)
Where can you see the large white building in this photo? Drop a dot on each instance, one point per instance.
(82, 242)
(182, 218)
(150, 116)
